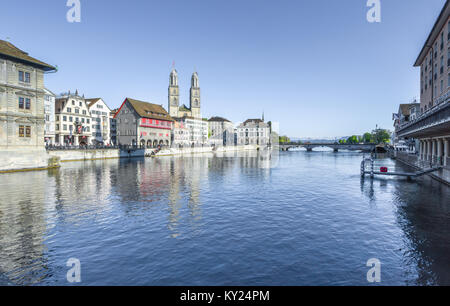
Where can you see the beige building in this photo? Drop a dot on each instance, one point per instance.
(431, 126)
(177, 111)
(21, 108)
(72, 120)
(253, 132)
(221, 131)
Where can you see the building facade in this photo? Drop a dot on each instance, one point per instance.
(22, 119)
(100, 121)
(143, 124)
(73, 120)
(253, 132)
(174, 108)
(431, 126)
(113, 127)
(180, 135)
(221, 131)
(195, 129)
(49, 113)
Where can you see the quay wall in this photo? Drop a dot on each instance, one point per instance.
(413, 161)
(39, 159)
(19, 159)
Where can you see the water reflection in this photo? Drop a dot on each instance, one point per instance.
(228, 218)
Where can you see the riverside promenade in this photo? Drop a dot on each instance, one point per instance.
(413, 160)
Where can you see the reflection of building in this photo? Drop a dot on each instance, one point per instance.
(253, 132)
(21, 108)
(100, 117)
(221, 131)
(49, 113)
(73, 121)
(142, 123)
(432, 126)
(23, 227)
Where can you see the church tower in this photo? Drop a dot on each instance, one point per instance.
(174, 94)
(195, 96)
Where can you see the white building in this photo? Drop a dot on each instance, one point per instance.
(181, 135)
(221, 131)
(101, 125)
(73, 121)
(253, 132)
(49, 117)
(197, 130)
(113, 127)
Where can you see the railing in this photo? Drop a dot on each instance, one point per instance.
(441, 103)
(79, 147)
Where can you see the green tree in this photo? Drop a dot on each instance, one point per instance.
(381, 136)
(352, 139)
(284, 139)
(367, 138)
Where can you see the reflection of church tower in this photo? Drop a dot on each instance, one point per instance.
(174, 94)
(195, 96)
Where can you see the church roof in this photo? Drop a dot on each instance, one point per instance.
(219, 119)
(184, 108)
(253, 121)
(148, 110)
(10, 51)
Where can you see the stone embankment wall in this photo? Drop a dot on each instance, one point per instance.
(19, 160)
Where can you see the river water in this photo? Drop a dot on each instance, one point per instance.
(306, 219)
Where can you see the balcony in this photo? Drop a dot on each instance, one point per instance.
(434, 122)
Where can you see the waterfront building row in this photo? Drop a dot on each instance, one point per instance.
(33, 117)
(427, 124)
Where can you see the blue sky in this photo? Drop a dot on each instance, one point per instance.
(317, 67)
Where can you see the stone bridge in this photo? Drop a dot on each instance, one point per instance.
(369, 147)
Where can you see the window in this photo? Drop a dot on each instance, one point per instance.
(73, 102)
(27, 103)
(84, 112)
(87, 120)
(57, 127)
(21, 77)
(81, 104)
(64, 118)
(69, 110)
(77, 110)
(65, 127)
(442, 86)
(27, 77)
(21, 103)
(28, 131)
(21, 131)
(70, 119)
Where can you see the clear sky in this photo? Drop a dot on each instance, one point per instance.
(317, 67)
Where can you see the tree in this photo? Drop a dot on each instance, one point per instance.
(284, 139)
(381, 136)
(367, 138)
(352, 139)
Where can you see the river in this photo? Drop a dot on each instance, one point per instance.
(307, 218)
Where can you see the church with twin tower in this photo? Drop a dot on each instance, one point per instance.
(177, 111)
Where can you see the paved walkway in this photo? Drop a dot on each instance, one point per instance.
(442, 175)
